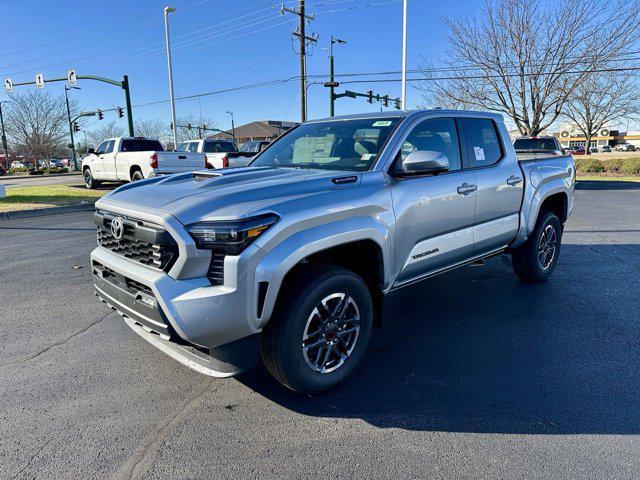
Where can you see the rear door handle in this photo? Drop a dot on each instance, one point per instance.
(465, 188)
(513, 180)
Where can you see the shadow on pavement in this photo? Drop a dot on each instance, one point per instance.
(476, 350)
(606, 185)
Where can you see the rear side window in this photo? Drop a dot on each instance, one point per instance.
(483, 144)
(193, 147)
(182, 147)
(141, 145)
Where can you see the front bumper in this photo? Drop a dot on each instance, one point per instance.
(208, 328)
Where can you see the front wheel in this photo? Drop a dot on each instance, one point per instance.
(89, 181)
(536, 259)
(320, 330)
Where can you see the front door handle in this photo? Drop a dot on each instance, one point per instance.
(465, 188)
(513, 180)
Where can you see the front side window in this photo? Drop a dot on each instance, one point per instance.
(109, 147)
(436, 135)
(333, 145)
(102, 147)
(482, 140)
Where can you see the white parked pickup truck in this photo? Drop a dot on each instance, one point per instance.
(126, 159)
(220, 152)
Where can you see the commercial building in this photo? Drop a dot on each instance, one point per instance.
(265, 130)
(606, 136)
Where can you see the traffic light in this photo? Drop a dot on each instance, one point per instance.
(120, 112)
(386, 100)
(75, 126)
(397, 100)
(100, 114)
(370, 99)
(171, 125)
(189, 126)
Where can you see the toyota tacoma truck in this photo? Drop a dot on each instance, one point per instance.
(131, 159)
(290, 259)
(219, 152)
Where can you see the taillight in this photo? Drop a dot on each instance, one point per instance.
(225, 162)
(153, 161)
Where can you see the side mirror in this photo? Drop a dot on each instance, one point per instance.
(425, 162)
(91, 151)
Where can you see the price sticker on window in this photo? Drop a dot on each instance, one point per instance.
(479, 151)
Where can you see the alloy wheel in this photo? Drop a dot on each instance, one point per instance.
(331, 333)
(547, 247)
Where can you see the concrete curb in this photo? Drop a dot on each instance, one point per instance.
(22, 177)
(41, 212)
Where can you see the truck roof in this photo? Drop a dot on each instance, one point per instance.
(410, 113)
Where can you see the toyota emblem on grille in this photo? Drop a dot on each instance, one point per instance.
(117, 228)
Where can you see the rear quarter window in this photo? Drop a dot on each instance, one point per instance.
(483, 143)
(141, 145)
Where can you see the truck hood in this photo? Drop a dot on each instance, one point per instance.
(228, 194)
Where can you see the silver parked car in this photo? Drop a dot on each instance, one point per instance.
(290, 259)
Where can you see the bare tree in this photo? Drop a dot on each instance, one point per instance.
(151, 128)
(36, 124)
(524, 58)
(110, 130)
(600, 101)
(184, 133)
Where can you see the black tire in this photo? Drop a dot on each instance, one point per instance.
(528, 261)
(89, 181)
(282, 338)
(137, 175)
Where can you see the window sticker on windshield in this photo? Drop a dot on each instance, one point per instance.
(382, 123)
(367, 156)
(479, 151)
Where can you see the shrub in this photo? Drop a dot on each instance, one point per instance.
(589, 165)
(614, 164)
(631, 165)
(36, 172)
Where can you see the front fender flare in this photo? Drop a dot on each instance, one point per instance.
(275, 265)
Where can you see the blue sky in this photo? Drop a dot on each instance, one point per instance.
(218, 44)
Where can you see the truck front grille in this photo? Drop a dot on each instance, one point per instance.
(144, 243)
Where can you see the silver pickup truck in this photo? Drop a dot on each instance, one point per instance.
(290, 258)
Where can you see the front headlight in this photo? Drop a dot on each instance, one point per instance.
(230, 237)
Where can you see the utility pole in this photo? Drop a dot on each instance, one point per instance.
(167, 11)
(303, 38)
(4, 139)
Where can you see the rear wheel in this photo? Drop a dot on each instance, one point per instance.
(536, 259)
(137, 175)
(89, 181)
(320, 330)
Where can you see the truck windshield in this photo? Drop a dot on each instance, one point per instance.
(332, 145)
(216, 147)
(141, 145)
(535, 144)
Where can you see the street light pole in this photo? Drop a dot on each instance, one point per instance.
(73, 145)
(404, 55)
(233, 127)
(167, 11)
(331, 74)
(4, 139)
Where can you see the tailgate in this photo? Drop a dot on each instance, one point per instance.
(179, 162)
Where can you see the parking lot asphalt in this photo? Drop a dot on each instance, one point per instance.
(474, 374)
(37, 180)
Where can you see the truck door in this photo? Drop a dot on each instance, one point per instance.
(434, 213)
(500, 183)
(98, 163)
(109, 158)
